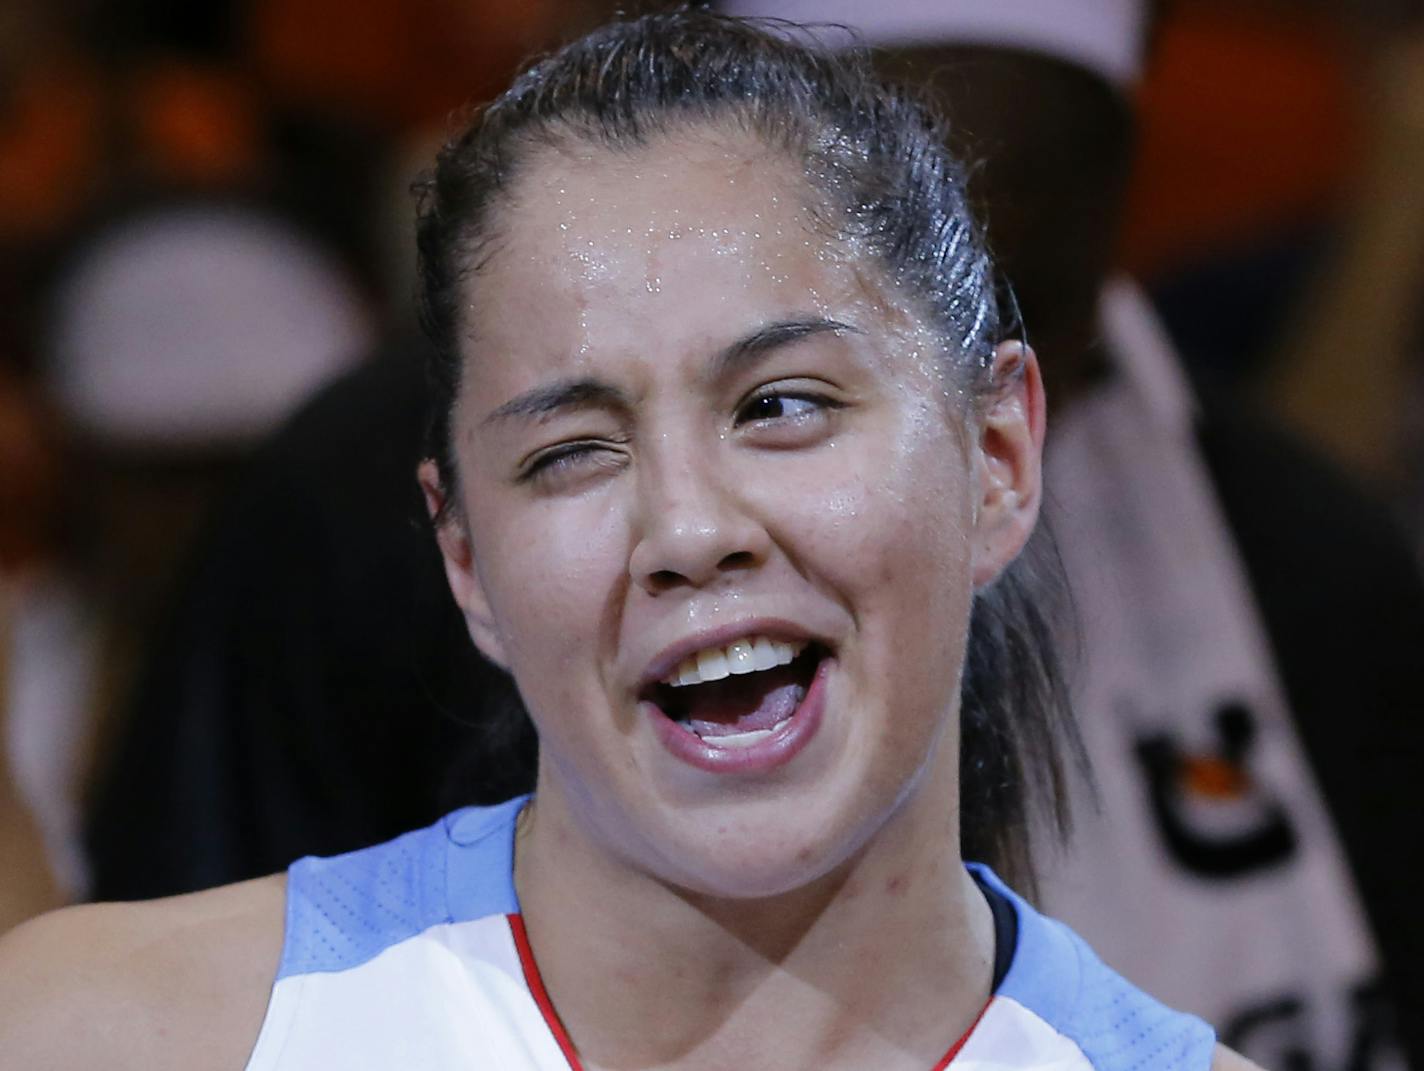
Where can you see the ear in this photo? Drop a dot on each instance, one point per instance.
(1009, 461)
(452, 535)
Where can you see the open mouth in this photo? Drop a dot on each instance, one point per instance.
(738, 695)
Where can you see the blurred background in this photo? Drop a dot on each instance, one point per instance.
(205, 216)
(205, 220)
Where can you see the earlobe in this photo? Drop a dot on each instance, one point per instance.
(1009, 461)
(452, 535)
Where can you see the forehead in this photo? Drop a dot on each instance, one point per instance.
(590, 211)
(675, 246)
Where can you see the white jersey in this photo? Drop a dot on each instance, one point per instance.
(413, 954)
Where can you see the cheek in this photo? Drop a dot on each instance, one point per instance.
(894, 541)
(563, 562)
(890, 512)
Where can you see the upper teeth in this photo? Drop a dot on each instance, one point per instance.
(746, 655)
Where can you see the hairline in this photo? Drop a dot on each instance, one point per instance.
(482, 238)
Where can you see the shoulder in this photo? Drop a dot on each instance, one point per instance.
(1056, 977)
(181, 982)
(1226, 1060)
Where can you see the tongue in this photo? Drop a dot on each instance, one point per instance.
(744, 704)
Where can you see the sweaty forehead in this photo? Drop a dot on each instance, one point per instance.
(727, 189)
(686, 235)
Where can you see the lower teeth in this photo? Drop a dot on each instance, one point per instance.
(744, 739)
(740, 740)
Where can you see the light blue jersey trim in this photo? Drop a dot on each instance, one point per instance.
(480, 849)
(346, 910)
(1055, 975)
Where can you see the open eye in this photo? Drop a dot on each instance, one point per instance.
(785, 417)
(780, 405)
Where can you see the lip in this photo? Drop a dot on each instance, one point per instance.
(778, 749)
(670, 657)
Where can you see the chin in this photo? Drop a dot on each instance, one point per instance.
(756, 876)
(759, 855)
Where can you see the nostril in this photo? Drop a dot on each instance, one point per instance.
(691, 570)
(742, 559)
(664, 579)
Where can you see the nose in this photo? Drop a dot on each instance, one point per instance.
(695, 530)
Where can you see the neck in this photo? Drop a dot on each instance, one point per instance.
(883, 963)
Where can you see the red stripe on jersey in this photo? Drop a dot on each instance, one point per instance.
(565, 1043)
(954, 1049)
(540, 994)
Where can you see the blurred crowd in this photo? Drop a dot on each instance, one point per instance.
(204, 216)
(209, 364)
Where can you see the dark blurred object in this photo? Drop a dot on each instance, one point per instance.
(316, 689)
(50, 144)
(27, 886)
(1248, 118)
(1251, 293)
(1249, 131)
(1343, 605)
(28, 474)
(173, 336)
(1349, 374)
(210, 30)
(373, 59)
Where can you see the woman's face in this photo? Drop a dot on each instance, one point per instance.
(720, 513)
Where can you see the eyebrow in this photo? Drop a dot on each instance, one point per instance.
(545, 401)
(748, 350)
(589, 393)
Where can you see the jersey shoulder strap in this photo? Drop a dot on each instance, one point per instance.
(1060, 980)
(345, 910)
